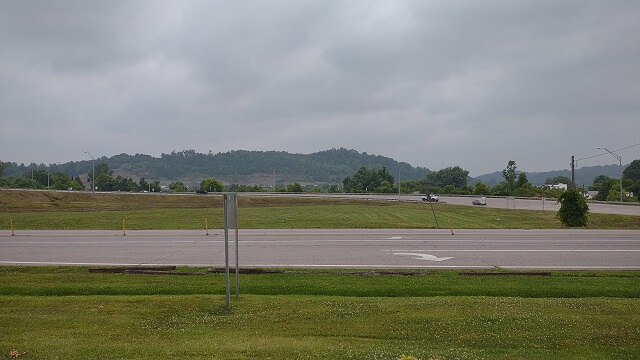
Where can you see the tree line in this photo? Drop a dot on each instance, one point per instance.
(454, 180)
(450, 180)
(40, 179)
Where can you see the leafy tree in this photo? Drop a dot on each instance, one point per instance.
(523, 182)
(60, 181)
(481, 189)
(1, 169)
(334, 189)
(103, 176)
(384, 188)
(295, 187)
(455, 176)
(614, 192)
(144, 185)
(631, 172)
(155, 186)
(635, 188)
(368, 180)
(211, 184)
(178, 186)
(573, 208)
(25, 183)
(557, 180)
(509, 175)
(603, 185)
(104, 182)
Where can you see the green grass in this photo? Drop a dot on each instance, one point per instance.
(40, 210)
(68, 313)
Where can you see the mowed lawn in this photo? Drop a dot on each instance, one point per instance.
(68, 313)
(44, 210)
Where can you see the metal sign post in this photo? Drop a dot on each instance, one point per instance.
(230, 221)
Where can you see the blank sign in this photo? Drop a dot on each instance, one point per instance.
(231, 210)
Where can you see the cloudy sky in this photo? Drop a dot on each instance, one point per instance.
(433, 83)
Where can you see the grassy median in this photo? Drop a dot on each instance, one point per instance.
(66, 312)
(49, 211)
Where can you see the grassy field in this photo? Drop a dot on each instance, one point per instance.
(69, 313)
(51, 210)
(65, 312)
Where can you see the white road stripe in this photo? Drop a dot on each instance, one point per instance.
(524, 250)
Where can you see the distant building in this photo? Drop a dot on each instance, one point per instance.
(560, 186)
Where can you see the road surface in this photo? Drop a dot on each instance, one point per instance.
(492, 202)
(370, 248)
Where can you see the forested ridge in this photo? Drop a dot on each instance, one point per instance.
(238, 166)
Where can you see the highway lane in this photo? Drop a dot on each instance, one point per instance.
(367, 248)
(492, 202)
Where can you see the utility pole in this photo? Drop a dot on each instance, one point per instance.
(573, 173)
(93, 170)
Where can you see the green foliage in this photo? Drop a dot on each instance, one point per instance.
(212, 185)
(369, 180)
(573, 209)
(509, 175)
(318, 315)
(522, 181)
(178, 186)
(295, 187)
(557, 180)
(481, 189)
(244, 188)
(455, 176)
(603, 185)
(2, 165)
(632, 171)
(334, 189)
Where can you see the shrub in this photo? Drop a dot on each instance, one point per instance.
(573, 209)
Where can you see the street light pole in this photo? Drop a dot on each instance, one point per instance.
(93, 171)
(620, 160)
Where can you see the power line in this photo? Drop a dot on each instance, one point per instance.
(595, 156)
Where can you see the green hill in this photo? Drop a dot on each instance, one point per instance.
(239, 167)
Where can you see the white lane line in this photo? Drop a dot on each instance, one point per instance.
(426, 257)
(516, 250)
(395, 238)
(123, 242)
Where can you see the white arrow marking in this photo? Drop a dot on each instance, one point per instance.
(395, 238)
(425, 257)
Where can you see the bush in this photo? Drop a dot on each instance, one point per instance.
(573, 209)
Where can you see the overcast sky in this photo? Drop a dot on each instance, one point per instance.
(432, 83)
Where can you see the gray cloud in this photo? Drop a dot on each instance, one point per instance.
(432, 83)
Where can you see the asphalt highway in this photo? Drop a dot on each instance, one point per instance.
(367, 248)
(492, 202)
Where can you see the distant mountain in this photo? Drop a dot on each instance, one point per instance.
(263, 167)
(584, 175)
(240, 167)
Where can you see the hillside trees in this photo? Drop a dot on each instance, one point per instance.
(455, 176)
(632, 171)
(557, 180)
(369, 180)
(212, 185)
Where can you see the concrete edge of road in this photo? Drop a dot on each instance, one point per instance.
(360, 267)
